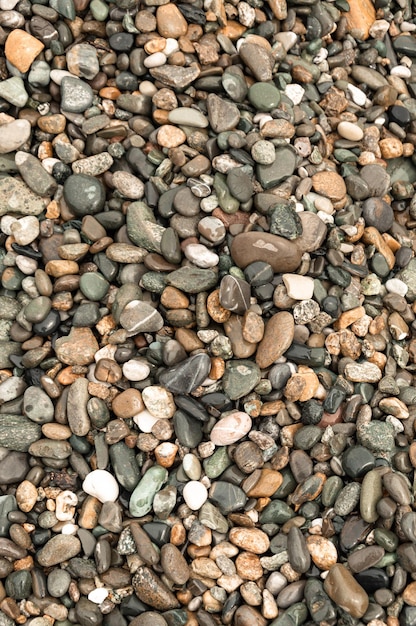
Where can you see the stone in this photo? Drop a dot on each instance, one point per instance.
(298, 287)
(16, 197)
(78, 348)
(278, 337)
(187, 375)
(138, 316)
(250, 539)
(21, 49)
(142, 497)
(14, 135)
(283, 255)
(195, 494)
(230, 429)
(222, 115)
(343, 589)
(102, 485)
(59, 548)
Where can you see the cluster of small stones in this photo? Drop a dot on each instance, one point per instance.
(207, 313)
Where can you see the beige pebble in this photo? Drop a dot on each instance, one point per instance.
(26, 496)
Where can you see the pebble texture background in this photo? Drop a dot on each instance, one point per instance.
(207, 313)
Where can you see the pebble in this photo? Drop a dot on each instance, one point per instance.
(102, 485)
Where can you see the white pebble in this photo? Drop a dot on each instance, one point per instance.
(191, 466)
(195, 494)
(379, 28)
(401, 71)
(26, 265)
(170, 47)
(396, 423)
(98, 595)
(201, 256)
(69, 529)
(395, 285)
(295, 93)
(25, 230)
(358, 97)
(298, 287)
(287, 39)
(57, 76)
(209, 203)
(155, 60)
(327, 219)
(145, 421)
(350, 131)
(108, 352)
(6, 224)
(102, 485)
(136, 370)
(323, 204)
(147, 88)
(49, 163)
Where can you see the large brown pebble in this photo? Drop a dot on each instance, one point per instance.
(283, 255)
(174, 564)
(250, 539)
(26, 496)
(170, 21)
(344, 590)
(77, 348)
(128, 403)
(278, 337)
(248, 616)
(21, 49)
(329, 184)
(59, 548)
(150, 618)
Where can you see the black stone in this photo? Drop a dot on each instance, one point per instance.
(312, 412)
(357, 461)
(187, 375)
(49, 325)
(192, 407)
(333, 400)
(304, 355)
(158, 532)
(187, 429)
(27, 251)
(258, 273)
(372, 579)
(332, 306)
(121, 42)
(400, 115)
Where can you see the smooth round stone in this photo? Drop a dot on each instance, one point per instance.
(191, 466)
(263, 152)
(201, 256)
(357, 461)
(128, 185)
(94, 286)
(136, 370)
(13, 91)
(48, 325)
(76, 95)
(283, 255)
(264, 96)
(37, 310)
(25, 230)
(102, 485)
(378, 213)
(195, 494)
(188, 375)
(138, 316)
(14, 135)
(82, 61)
(84, 194)
(344, 590)
(188, 116)
(350, 131)
(18, 585)
(58, 582)
(230, 429)
(38, 406)
(59, 548)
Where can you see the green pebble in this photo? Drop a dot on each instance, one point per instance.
(264, 96)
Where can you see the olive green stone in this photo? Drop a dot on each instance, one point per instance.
(217, 463)
(94, 286)
(240, 377)
(264, 96)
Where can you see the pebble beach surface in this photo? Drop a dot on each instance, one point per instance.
(207, 313)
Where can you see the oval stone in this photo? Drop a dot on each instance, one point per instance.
(230, 429)
(283, 255)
